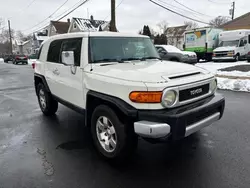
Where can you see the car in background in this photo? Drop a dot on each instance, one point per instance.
(23, 59)
(8, 58)
(171, 53)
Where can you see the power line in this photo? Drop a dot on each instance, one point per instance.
(24, 9)
(73, 10)
(191, 9)
(62, 15)
(115, 8)
(178, 8)
(178, 13)
(220, 3)
(48, 16)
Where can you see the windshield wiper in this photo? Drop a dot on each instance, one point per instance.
(150, 57)
(107, 60)
(140, 59)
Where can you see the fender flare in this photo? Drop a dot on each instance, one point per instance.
(43, 81)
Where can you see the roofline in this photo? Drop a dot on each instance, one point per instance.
(242, 16)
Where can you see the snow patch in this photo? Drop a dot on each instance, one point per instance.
(234, 73)
(234, 84)
(1, 60)
(30, 61)
(214, 67)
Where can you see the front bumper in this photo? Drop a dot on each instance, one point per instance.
(224, 58)
(179, 122)
(190, 60)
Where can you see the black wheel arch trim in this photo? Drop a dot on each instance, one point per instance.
(127, 109)
(43, 80)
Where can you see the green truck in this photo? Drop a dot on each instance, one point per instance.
(202, 41)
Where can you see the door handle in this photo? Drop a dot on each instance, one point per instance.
(56, 71)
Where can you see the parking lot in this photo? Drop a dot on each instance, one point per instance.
(36, 151)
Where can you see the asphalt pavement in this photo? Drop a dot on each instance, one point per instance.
(37, 152)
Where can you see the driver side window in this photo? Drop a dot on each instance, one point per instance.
(241, 43)
(161, 50)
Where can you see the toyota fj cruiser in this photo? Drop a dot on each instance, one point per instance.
(124, 89)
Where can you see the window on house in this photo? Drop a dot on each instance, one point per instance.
(74, 45)
(74, 26)
(54, 51)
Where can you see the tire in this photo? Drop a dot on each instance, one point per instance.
(121, 140)
(237, 57)
(47, 104)
(248, 60)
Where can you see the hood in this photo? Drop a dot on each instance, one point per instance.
(225, 48)
(188, 53)
(154, 71)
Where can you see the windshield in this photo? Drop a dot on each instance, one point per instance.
(229, 43)
(107, 49)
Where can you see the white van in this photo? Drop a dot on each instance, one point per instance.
(233, 45)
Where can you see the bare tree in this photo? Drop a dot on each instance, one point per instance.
(163, 25)
(219, 21)
(191, 25)
(5, 36)
(20, 35)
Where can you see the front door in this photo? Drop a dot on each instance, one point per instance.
(52, 65)
(70, 78)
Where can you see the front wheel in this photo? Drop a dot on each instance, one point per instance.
(112, 138)
(47, 104)
(236, 58)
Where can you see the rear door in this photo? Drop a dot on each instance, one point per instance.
(70, 78)
(52, 67)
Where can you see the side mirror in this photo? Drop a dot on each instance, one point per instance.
(163, 53)
(68, 58)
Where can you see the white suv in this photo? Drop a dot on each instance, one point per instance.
(124, 89)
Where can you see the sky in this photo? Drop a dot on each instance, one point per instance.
(131, 15)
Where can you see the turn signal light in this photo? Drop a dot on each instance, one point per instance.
(145, 97)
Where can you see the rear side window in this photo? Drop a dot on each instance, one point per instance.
(54, 51)
(74, 45)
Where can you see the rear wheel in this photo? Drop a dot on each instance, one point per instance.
(47, 104)
(113, 139)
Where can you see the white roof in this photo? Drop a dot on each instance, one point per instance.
(42, 38)
(96, 34)
(88, 25)
(169, 48)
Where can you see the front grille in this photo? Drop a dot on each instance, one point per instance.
(194, 92)
(221, 54)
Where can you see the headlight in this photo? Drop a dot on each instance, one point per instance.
(213, 85)
(169, 98)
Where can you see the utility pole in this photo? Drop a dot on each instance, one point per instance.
(10, 38)
(233, 8)
(113, 21)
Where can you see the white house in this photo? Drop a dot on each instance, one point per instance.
(83, 25)
(23, 47)
(58, 27)
(175, 36)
